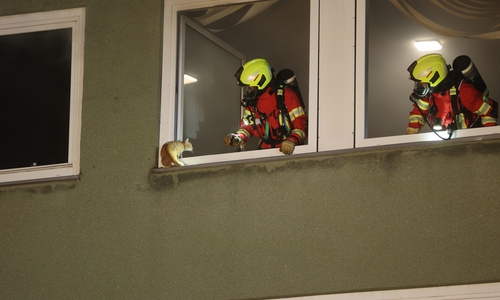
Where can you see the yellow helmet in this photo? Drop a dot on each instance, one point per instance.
(428, 72)
(255, 73)
(254, 76)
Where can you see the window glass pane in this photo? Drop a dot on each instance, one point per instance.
(35, 83)
(392, 27)
(278, 31)
(211, 106)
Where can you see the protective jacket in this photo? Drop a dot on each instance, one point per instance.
(271, 125)
(465, 105)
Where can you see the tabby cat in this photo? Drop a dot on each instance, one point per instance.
(171, 153)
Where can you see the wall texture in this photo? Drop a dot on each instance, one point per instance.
(334, 222)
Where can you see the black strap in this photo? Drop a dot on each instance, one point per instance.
(280, 103)
(271, 142)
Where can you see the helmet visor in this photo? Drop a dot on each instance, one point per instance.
(422, 89)
(238, 77)
(250, 92)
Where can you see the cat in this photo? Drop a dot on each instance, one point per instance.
(171, 153)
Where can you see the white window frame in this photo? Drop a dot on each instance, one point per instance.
(336, 75)
(25, 23)
(460, 292)
(360, 133)
(337, 80)
(167, 114)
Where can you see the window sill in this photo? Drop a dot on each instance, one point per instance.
(435, 143)
(41, 180)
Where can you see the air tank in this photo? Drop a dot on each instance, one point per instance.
(466, 66)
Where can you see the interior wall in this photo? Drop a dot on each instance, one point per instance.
(333, 222)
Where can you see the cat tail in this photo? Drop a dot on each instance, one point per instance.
(167, 163)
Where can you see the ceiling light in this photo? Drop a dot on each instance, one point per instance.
(189, 79)
(428, 45)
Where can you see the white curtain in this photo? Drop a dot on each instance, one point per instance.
(478, 19)
(219, 18)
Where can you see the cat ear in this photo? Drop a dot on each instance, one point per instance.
(187, 140)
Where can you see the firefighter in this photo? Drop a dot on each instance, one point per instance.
(277, 126)
(444, 100)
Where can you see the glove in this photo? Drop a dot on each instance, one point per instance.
(287, 147)
(411, 130)
(233, 140)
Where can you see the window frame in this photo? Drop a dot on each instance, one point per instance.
(169, 77)
(337, 119)
(451, 292)
(41, 21)
(361, 139)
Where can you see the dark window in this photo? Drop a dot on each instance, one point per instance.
(35, 84)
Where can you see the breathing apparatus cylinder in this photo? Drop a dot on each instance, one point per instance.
(287, 77)
(466, 66)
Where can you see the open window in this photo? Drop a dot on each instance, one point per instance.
(204, 89)
(41, 74)
(352, 66)
(203, 48)
(386, 33)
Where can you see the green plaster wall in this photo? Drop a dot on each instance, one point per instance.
(302, 225)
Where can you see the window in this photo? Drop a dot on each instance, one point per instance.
(353, 68)
(41, 73)
(210, 44)
(385, 48)
(205, 111)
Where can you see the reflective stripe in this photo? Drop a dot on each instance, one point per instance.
(423, 104)
(295, 113)
(248, 118)
(416, 119)
(285, 123)
(488, 120)
(247, 113)
(461, 121)
(300, 133)
(244, 132)
(483, 109)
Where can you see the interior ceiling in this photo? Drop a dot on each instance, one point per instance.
(218, 18)
(455, 18)
(477, 18)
